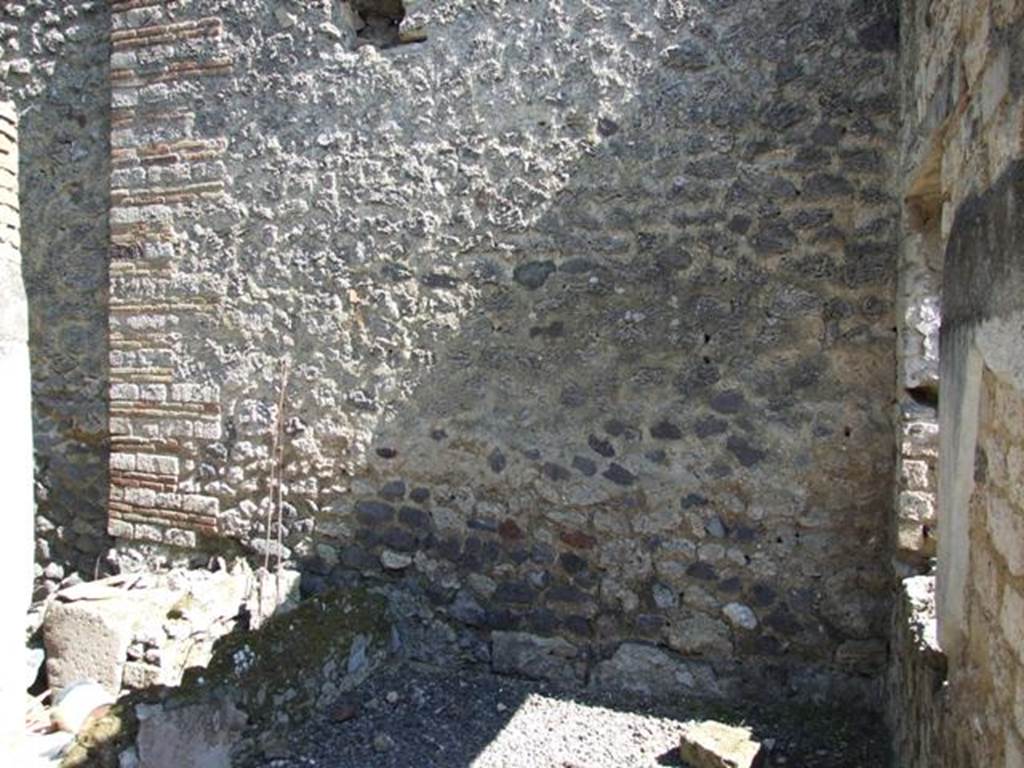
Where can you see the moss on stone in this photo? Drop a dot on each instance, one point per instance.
(287, 650)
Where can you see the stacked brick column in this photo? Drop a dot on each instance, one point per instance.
(166, 173)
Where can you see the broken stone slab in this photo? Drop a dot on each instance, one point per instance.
(535, 657)
(710, 744)
(197, 736)
(89, 639)
(102, 589)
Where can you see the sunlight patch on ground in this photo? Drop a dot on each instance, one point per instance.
(546, 731)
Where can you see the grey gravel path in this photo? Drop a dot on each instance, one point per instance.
(411, 718)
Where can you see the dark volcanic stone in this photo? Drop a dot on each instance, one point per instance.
(312, 584)
(657, 456)
(825, 185)
(666, 430)
(466, 609)
(762, 595)
(400, 539)
(514, 592)
(600, 446)
(566, 593)
(497, 461)
(374, 512)
(533, 274)
(542, 620)
(783, 621)
(619, 474)
(693, 500)
(607, 127)
(393, 491)
(413, 517)
(730, 401)
(883, 35)
(572, 563)
(555, 472)
(359, 558)
(747, 454)
(584, 466)
(731, 585)
(577, 625)
(702, 571)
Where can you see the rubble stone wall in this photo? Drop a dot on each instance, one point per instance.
(54, 67)
(963, 175)
(584, 313)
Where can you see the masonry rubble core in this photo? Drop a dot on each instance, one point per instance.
(611, 341)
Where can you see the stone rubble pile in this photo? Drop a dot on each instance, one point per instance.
(131, 632)
(136, 631)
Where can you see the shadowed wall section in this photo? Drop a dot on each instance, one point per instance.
(54, 67)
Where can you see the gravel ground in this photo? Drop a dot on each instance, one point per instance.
(415, 718)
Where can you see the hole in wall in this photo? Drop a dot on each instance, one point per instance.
(379, 23)
(924, 395)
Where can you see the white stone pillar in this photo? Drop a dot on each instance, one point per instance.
(16, 502)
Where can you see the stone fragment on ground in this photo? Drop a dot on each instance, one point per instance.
(710, 744)
(199, 736)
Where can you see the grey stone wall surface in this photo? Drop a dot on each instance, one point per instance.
(587, 310)
(54, 66)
